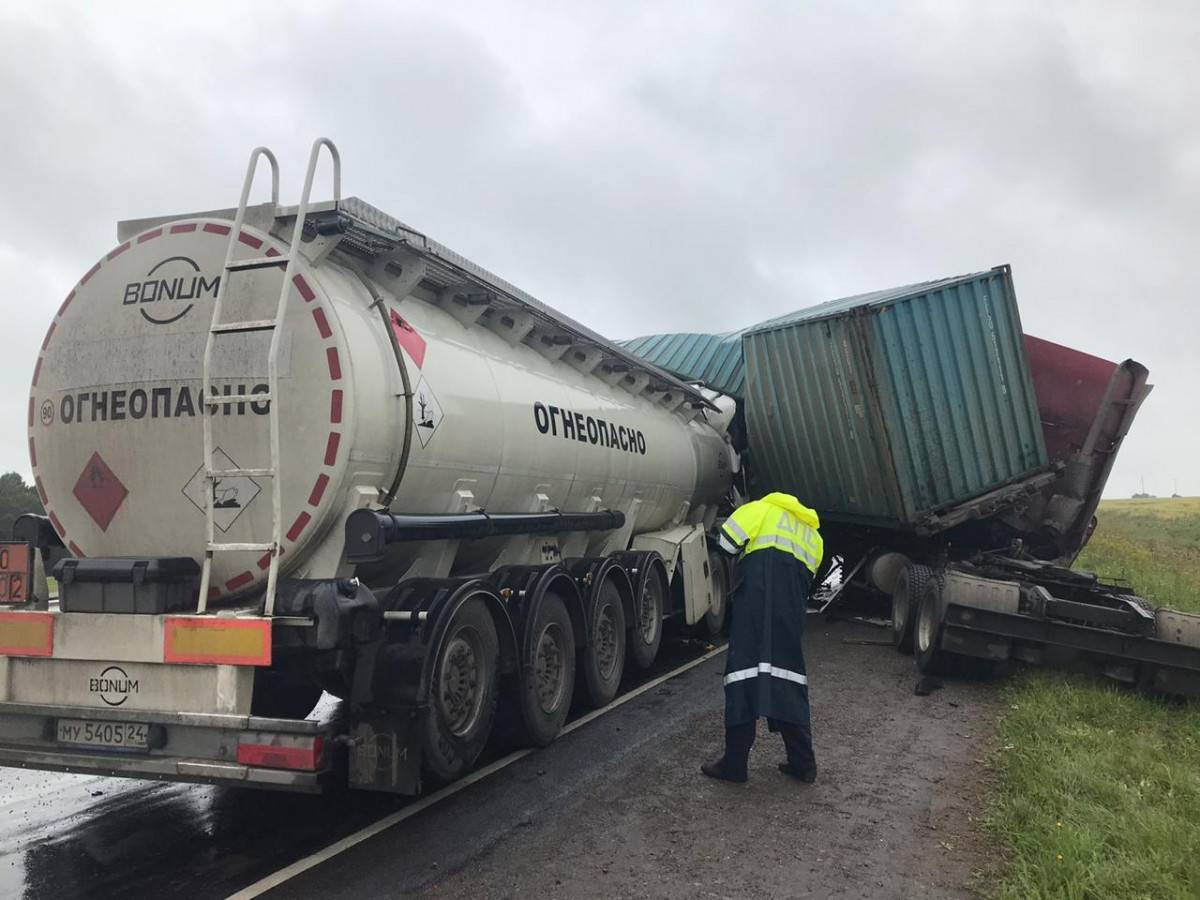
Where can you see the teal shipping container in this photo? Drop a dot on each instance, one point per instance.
(890, 408)
(714, 359)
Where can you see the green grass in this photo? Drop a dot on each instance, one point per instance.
(1153, 545)
(1097, 791)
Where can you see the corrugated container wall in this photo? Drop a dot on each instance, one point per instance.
(885, 408)
(714, 359)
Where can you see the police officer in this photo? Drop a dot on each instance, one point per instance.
(780, 549)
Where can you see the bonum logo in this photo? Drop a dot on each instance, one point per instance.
(113, 685)
(174, 283)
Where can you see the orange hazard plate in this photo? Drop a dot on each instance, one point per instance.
(16, 571)
(26, 634)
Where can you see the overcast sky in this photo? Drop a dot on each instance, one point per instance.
(649, 166)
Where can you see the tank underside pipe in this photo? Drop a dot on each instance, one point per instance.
(369, 531)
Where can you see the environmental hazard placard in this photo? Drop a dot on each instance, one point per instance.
(230, 495)
(426, 411)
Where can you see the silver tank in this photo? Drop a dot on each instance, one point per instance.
(504, 419)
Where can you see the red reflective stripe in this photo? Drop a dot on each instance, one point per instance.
(249, 240)
(239, 581)
(335, 364)
(318, 491)
(322, 322)
(32, 453)
(335, 407)
(74, 548)
(62, 309)
(57, 524)
(150, 235)
(90, 272)
(183, 229)
(37, 480)
(273, 757)
(331, 448)
(217, 229)
(298, 526)
(49, 334)
(37, 370)
(302, 286)
(118, 251)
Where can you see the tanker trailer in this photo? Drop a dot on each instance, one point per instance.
(305, 449)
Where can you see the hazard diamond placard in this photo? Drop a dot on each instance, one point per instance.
(100, 491)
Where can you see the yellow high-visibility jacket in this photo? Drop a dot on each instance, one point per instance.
(778, 522)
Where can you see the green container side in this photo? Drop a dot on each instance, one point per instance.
(886, 408)
(814, 430)
(715, 359)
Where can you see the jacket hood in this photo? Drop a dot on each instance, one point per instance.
(795, 507)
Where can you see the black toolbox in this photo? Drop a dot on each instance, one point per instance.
(149, 585)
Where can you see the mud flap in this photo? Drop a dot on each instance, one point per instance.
(385, 753)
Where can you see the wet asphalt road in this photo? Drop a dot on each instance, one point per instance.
(66, 836)
(615, 809)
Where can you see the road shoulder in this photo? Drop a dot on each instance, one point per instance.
(618, 808)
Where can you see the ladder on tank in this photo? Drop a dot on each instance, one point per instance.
(218, 329)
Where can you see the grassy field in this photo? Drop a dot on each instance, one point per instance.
(1097, 792)
(1153, 545)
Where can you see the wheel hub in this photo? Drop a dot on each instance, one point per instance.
(924, 632)
(648, 612)
(550, 668)
(605, 642)
(460, 696)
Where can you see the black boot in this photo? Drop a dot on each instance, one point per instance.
(808, 776)
(717, 770)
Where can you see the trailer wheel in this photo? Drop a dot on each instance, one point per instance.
(910, 588)
(603, 659)
(645, 632)
(462, 693)
(927, 630)
(718, 579)
(547, 678)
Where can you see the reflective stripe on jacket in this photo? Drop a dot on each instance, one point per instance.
(777, 521)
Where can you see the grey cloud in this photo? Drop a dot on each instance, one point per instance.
(647, 167)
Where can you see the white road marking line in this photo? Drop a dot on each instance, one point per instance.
(326, 853)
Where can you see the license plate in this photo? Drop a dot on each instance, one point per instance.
(118, 735)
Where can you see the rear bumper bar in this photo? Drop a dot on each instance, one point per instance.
(198, 747)
(161, 768)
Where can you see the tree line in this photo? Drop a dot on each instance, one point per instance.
(16, 499)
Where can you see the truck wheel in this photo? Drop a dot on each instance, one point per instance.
(910, 588)
(547, 678)
(462, 693)
(645, 632)
(603, 659)
(718, 578)
(927, 630)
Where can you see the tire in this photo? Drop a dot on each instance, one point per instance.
(602, 661)
(718, 576)
(544, 695)
(646, 631)
(910, 588)
(463, 691)
(927, 630)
